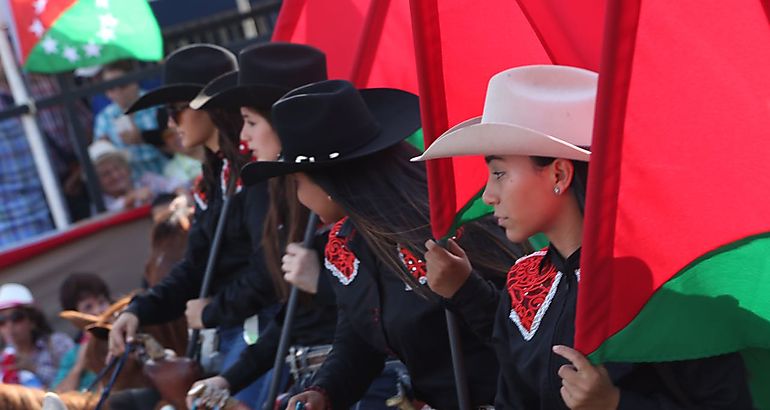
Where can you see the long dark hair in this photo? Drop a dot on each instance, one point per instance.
(228, 123)
(40, 329)
(285, 221)
(579, 179)
(386, 197)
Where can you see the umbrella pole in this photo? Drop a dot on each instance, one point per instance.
(50, 185)
(291, 306)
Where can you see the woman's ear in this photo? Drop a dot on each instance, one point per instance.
(563, 172)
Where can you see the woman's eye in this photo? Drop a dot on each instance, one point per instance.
(251, 123)
(498, 174)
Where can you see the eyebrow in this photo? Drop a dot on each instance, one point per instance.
(490, 158)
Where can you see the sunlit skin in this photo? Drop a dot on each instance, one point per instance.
(195, 127)
(522, 195)
(114, 176)
(317, 200)
(260, 135)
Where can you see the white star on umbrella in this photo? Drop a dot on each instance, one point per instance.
(107, 20)
(50, 45)
(105, 4)
(92, 49)
(37, 28)
(106, 34)
(40, 6)
(71, 54)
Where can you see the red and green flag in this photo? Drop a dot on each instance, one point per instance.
(61, 35)
(676, 254)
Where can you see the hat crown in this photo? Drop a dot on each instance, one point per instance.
(322, 121)
(198, 64)
(283, 65)
(14, 294)
(554, 100)
(101, 148)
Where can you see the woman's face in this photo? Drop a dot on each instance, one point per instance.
(16, 327)
(259, 135)
(194, 127)
(317, 200)
(522, 195)
(114, 175)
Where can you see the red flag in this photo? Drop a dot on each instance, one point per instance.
(676, 240)
(33, 18)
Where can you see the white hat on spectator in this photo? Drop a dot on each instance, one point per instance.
(103, 149)
(13, 295)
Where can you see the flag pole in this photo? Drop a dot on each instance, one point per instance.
(288, 320)
(45, 172)
(440, 173)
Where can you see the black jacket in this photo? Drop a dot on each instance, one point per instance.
(529, 378)
(380, 316)
(241, 285)
(314, 321)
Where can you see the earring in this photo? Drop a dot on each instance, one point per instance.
(556, 191)
(329, 197)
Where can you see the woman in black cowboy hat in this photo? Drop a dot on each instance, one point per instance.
(241, 286)
(352, 168)
(267, 72)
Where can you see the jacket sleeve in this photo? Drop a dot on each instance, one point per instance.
(351, 366)
(166, 300)
(255, 360)
(253, 289)
(715, 383)
(476, 302)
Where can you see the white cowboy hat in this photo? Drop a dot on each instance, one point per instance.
(14, 294)
(102, 149)
(538, 110)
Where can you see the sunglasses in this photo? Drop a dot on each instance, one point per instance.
(174, 111)
(16, 316)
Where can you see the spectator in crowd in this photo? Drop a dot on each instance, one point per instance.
(85, 293)
(125, 131)
(32, 351)
(119, 190)
(23, 208)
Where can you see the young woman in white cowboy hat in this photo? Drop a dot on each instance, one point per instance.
(536, 134)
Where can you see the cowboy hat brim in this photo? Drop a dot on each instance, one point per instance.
(397, 112)
(472, 137)
(224, 91)
(165, 95)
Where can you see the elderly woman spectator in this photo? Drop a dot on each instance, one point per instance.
(118, 189)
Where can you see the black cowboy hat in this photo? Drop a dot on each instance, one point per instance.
(185, 73)
(329, 122)
(267, 72)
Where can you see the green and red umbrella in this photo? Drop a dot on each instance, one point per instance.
(61, 35)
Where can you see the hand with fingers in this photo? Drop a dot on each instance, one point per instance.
(209, 393)
(301, 267)
(194, 312)
(584, 385)
(123, 331)
(447, 268)
(309, 400)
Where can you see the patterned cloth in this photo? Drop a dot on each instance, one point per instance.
(144, 157)
(48, 356)
(23, 208)
(183, 168)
